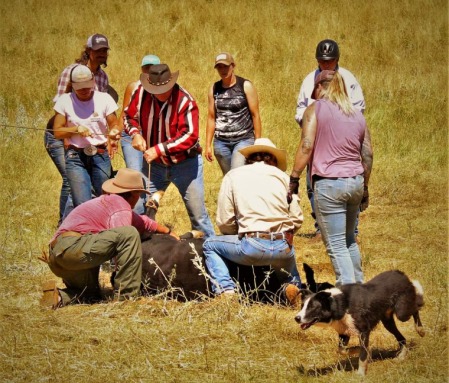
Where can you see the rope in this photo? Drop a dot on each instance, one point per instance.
(54, 130)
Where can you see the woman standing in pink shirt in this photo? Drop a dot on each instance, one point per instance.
(336, 144)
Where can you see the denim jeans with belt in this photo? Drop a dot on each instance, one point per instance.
(187, 176)
(228, 155)
(337, 203)
(248, 251)
(86, 174)
(55, 149)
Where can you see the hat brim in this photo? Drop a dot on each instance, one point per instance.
(83, 84)
(100, 46)
(280, 154)
(158, 89)
(224, 62)
(110, 187)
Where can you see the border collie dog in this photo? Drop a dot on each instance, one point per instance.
(355, 309)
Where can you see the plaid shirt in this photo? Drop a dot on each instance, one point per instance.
(101, 80)
(171, 128)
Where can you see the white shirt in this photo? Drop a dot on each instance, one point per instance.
(254, 198)
(91, 114)
(353, 88)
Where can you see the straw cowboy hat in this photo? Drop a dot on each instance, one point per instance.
(265, 145)
(159, 79)
(126, 180)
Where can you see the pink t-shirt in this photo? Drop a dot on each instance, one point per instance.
(338, 142)
(103, 213)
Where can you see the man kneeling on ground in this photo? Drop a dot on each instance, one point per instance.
(258, 220)
(95, 232)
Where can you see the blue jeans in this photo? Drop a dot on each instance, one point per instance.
(312, 205)
(248, 251)
(86, 174)
(55, 149)
(228, 155)
(187, 176)
(337, 203)
(134, 160)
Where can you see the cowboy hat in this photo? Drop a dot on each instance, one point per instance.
(159, 79)
(265, 145)
(126, 180)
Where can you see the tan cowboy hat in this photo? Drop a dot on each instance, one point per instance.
(126, 180)
(159, 79)
(265, 145)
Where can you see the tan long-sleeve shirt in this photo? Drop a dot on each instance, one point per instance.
(254, 198)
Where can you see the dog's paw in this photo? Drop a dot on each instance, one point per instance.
(402, 353)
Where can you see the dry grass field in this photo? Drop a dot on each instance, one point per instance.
(399, 53)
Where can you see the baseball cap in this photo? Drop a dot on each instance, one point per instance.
(324, 75)
(97, 41)
(224, 58)
(150, 60)
(81, 77)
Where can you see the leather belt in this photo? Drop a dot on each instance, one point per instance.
(65, 234)
(101, 149)
(263, 235)
(287, 235)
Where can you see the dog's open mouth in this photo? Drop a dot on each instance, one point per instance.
(305, 326)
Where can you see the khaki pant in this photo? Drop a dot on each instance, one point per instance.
(77, 261)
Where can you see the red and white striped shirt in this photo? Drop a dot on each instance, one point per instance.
(172, 127)
(101, 80)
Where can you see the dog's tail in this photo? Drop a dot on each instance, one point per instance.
(419, 293)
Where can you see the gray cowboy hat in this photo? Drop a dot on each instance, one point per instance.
(159, 80)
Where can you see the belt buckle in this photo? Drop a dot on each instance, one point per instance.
(90, 150)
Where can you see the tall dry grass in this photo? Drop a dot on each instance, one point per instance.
(397, 50)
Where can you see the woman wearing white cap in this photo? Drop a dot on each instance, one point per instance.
(233, 119)
(86, 118)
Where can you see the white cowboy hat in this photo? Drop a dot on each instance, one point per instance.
(265, 145)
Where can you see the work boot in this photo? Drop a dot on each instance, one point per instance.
(50, 297)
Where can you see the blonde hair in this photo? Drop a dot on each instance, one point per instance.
(335, 91)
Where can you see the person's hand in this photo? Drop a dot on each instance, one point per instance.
(293, 188)
(365, 199)
(150, 155)
(138, 143)
(114, 134)
(208, 154)
(174, 235)
(112, 148)
(84, 131)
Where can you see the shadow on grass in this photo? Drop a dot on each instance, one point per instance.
(350, 363)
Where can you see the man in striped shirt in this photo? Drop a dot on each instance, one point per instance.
(163, 120)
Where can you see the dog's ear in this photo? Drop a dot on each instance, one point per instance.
(305, 293)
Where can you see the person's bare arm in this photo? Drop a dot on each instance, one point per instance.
(62, 131)
(253, 105)
(307, 142)
(210, 127)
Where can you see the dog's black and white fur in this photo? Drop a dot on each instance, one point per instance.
(355, 309)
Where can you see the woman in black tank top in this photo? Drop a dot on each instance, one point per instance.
(233, 120)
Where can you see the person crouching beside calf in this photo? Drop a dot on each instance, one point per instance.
(257, 220)
(95, 232)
